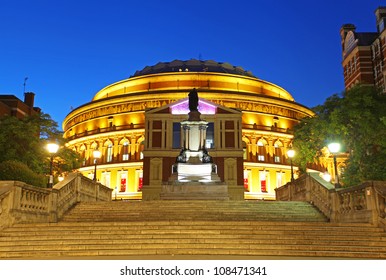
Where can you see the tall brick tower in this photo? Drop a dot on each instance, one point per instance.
(364, 53)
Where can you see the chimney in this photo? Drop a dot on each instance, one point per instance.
(29, 98)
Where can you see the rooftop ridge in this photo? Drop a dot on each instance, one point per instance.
(193, 65)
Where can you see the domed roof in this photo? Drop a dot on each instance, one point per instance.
(193, 65)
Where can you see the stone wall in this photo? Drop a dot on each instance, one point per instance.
(23, 203)
(363, 204)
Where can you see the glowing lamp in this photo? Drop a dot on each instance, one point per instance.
(52, 148)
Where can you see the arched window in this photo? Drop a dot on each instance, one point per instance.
(278, 151)
(261, 149)
(141, 148)
(109, 155)
(245, 151)
(82, 152)
(109, 151)
(125, 151)
(349, 41)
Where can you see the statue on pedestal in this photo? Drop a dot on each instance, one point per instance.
(193, 100)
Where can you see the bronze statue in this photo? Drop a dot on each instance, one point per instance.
(193, 100)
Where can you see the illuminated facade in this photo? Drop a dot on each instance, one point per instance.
(114, 123)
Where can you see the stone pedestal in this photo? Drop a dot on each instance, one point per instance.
(195, 190)
(194, 174)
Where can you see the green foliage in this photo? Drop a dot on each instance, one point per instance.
(16, 171)
(19, 140)
(357, 121)
(312, 133)
(25, 141)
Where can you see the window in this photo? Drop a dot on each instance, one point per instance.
(381, 25)
(110, 122)
(176, 135)
(109, 156)
(139, 175)
(123, 181)
(349, 42)
(278, 151)
(106, 176)
(246, 180)
(141, 148)
(263, 181)
(209, 143)
(261, 152)
(83, 154)
(245, 153)
(279, 179)
(125, 151)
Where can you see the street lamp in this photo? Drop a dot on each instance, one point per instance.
(291, 154)
(52, 149)
(97, 155)
(334, 148)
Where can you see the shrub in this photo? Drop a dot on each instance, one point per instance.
(16, 171)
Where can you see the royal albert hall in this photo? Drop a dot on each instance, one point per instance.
(114, 124)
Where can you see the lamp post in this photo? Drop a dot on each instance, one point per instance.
(334, 148)
(97, 155)
(291, 154)
(52, 149)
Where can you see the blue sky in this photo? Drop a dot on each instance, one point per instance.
(71, 49)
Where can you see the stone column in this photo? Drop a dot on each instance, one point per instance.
(203, 128)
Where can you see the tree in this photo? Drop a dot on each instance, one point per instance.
(312, 133)
(356, 120)
(24, 140)
(19, 140)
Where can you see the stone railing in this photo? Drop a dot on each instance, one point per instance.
(363, 203)
(22, 203)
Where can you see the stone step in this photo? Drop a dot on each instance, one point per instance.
(210, 205)
(155, 232)
(189, 239)
(172, 253)
(176, 228)
(193, 210)
(183, 245)
(267, 237)
(195, 225)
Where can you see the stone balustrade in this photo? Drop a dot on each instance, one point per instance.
(22, 203)
(363, 203)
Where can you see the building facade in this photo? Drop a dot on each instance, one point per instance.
(114, 123)
(10, 105)
(218, 132)
(364, 53)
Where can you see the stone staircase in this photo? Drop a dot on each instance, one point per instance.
(193, 229)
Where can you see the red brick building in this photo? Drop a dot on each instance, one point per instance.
(10, 105)
(364, 53)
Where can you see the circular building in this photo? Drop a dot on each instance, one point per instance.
(114, 123)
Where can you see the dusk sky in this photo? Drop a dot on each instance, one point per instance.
(71, 49)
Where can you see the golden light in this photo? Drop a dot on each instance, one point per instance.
(52, 148)
(326, 177)
(291, 153)
(334, 147)
(96, 154)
